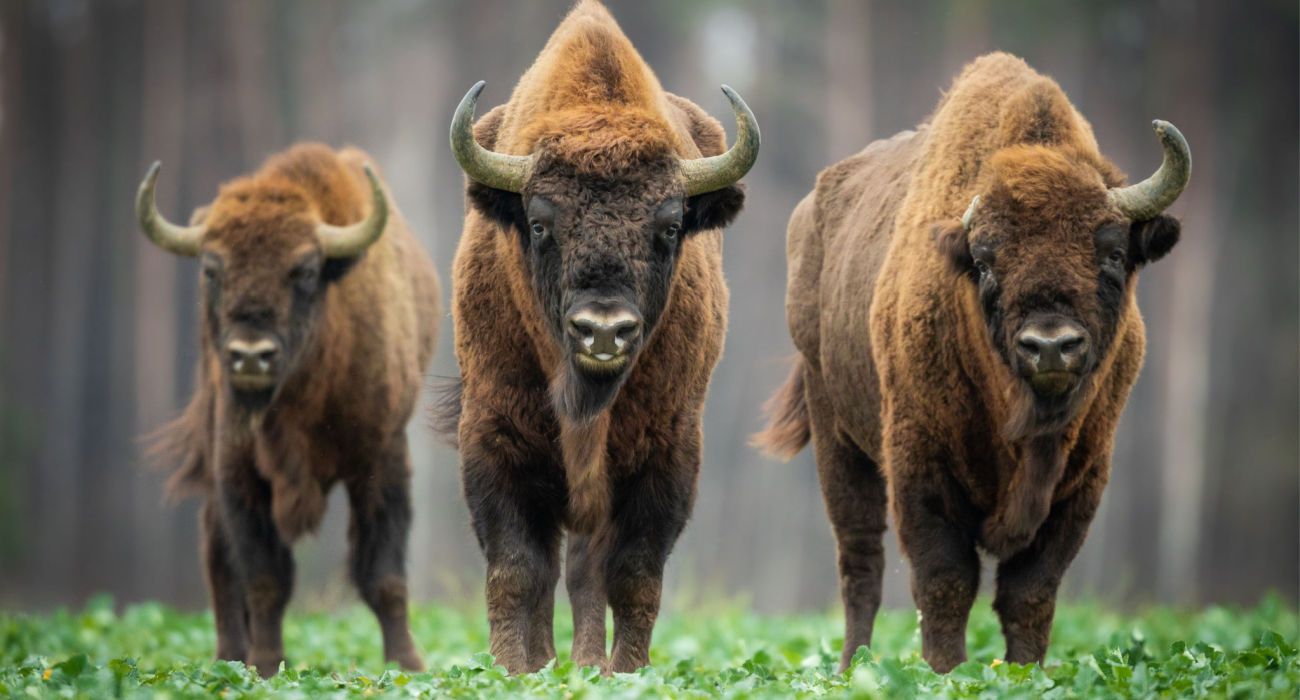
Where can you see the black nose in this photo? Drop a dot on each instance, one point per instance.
(252, 357)
(1057, 348)
(604, 332)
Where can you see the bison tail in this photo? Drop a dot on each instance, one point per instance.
(444, 414)
(182, 445)
(787, 429)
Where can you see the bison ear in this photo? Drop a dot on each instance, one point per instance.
(951, 240)
(334, 268)
(1150, 240)
(200, 215)
(712, 210)
(502, 207)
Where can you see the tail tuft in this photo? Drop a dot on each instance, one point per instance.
(182, 447)
(444, 414)
(787, 429)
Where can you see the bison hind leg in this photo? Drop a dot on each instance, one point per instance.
(381, 523)
(857, 502)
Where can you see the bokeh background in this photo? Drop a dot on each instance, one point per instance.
(98, 330)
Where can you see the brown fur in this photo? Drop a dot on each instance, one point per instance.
(337, 415)
(911, 356)
(534, 459)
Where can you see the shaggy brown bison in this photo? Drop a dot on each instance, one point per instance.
(975, 366)
(319, 311)
(589, 308)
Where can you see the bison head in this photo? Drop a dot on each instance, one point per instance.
(601, 210)
(266, 261)
(1052, 252)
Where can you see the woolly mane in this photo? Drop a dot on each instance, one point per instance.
(309, 179)
(999, 102)
(591, 100)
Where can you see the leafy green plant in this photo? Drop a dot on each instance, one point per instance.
(724, 651)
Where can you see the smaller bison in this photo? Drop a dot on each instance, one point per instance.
(970, 369)
(318, 313)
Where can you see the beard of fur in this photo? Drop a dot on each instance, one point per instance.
(583, 447)
(582, 404)
(579, 397)
(1030, 416)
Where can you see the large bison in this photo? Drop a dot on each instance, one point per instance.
(589, 308)
(970, 369)
(319, 313)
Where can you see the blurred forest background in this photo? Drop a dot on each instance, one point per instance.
(98, 329)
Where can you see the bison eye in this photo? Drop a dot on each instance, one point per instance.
(538, 229)
(1118, 256)
(305, 277)
(671, 231)
(982, 267)
(211, 269)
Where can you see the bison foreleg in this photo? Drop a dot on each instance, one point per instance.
(1028, 582)
(945, 567)
(381, 522)
(224, 587)
(519, 532)
(857, 502)
(264, 563)
(648, 518)
(585, 579)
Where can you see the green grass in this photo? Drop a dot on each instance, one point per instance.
(724, 651)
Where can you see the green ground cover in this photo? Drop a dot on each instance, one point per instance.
(719, 651)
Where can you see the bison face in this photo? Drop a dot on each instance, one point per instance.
(267, 260)
(602, 207)
(1052, 259)
(601, 255)
(263, 287)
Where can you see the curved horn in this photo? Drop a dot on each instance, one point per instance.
(351, 241)
(969, 216)
(1153, 195)
(715, 172)
(504, 172)
(179, 240)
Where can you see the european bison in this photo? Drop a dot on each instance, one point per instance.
(589, 308)
(319, 313)
(975, 365)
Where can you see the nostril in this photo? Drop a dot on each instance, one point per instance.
(583, 330)
(1072, 345)
(627, 332)
(245, 356)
